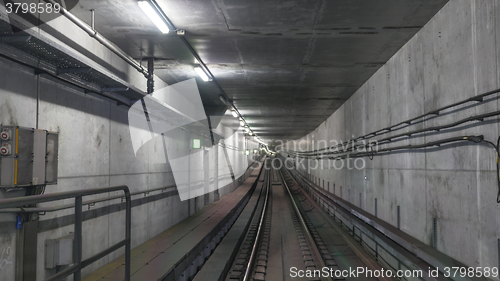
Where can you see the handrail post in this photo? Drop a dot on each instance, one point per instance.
(128, 230)
(78, 237)
(78, 195)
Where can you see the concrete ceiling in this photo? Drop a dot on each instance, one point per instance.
(287, 65)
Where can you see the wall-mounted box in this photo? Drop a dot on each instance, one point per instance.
(28, 157)
(59, 252)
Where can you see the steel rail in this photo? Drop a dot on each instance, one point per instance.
(78, 264)
(369, 224)
(253, 255)
(181, 268)
(308, 234)
(366, 258)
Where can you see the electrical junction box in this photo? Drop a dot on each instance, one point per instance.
(59, 252)
(28, 157)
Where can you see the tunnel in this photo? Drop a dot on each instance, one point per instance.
(249, 140)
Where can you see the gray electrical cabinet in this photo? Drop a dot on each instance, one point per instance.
(59, 252)
(28, 157)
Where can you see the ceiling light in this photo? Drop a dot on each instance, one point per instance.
(223, 99)
(202, 74)
(242, 123)
(234, 113)
(153, 15)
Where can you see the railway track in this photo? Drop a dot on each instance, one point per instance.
(288, 228)
(287, 240)
(281, 226)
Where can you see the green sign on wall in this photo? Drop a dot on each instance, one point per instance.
(196, 143)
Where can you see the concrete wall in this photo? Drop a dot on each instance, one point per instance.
(453, 57)
(95, 150)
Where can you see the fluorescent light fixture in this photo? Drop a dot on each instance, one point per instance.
(148, 9)
(234, 113)
(242, 123)
(250, 133)
(248, 152)
(223, 99)
(247, 130)
(202, 73)
(197, 143)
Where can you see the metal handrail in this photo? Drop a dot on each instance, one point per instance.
(78, 194)
(91, 202)
(70, 205)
